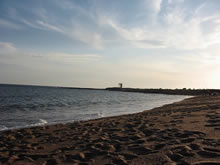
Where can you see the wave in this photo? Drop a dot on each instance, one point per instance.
(3, 128)
(40, 123)
(92, 116)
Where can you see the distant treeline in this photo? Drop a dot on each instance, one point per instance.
(183, 91)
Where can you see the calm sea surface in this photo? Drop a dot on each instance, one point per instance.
(25, 106)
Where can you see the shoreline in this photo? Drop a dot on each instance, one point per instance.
(43, 122)
(184, 91)
(168, 91)
(86, 120)
(184, 132)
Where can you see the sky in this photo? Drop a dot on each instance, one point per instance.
(100, 43)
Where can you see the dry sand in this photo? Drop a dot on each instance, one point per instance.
(186, 132)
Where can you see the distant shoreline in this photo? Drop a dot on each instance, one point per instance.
(42, 86)
(183, 91)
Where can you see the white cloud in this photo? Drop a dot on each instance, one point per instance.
(7, 47)
(76, 32)
(49, 26)
(71, 58)
(175, 1)
(47, 21)
(156, 5)
(31, 24)
(153, 5)
(84, 35)
(139, 37)
(151, 10)
(174, 27)
(177, 31)
(72, 6)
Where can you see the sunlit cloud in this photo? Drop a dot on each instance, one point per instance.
(61, 57)
(31, 24)
(72, 58)
(49, 26)
(93, 39)
(176, 31)
(173, 28)
(153, 6)
(7, 47)
(175, 1)
(75, 31)
(150, 43)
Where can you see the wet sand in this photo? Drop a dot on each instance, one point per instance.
(186, 132)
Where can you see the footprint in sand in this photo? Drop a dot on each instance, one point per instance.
(214, 120)
(207, 163)
(209, 153)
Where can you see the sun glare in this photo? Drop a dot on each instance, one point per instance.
(214, 79)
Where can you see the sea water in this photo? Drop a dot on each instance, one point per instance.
(25, 106)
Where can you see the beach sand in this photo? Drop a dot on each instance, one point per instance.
(186, 132)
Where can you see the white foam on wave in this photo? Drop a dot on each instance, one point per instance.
(3, 128)
(42, 122)
(100, 114)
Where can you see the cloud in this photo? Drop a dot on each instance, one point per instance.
(73, 28)
(175, 1)
(8, 52)
(150, 10)
(208, 56)
(140, 37)
(156, 5)
(153, 6)
(176, 30)
(7, 47)
(76, 32)
(68, 5)
(162, 25)
(71, 58)
(32, 24)
(91, 38)
(49, 26)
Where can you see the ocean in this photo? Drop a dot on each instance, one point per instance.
(26, 106)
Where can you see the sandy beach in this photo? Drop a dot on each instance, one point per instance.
(186, 132)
